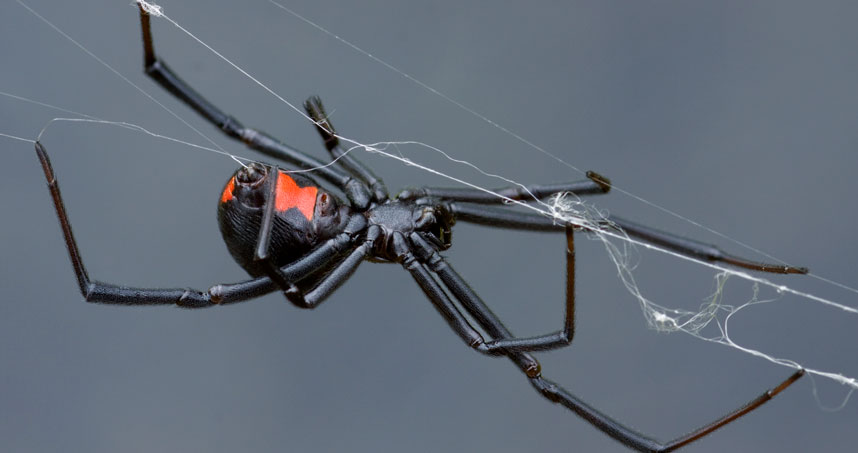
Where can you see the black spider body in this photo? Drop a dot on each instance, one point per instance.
(293, 235)
(306, 214)
(430, 221)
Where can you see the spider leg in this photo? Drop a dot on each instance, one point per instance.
(500, 217)
(555, 393)
(263, 239)
(332, 280)
(445, 306)
(314, 108)
(472, 303)
(698, 249)
(436, 294)
(468, 298)
(595, 185)
(637, 441)
(355, 189)
(320, 257)
(94, 291)
(329, 282)
(507, 218)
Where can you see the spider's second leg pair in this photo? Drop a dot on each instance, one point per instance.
(426, 261)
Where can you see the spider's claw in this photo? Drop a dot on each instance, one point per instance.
(603, 181)
(786, 383)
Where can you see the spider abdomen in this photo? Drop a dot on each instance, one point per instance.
(240, 211)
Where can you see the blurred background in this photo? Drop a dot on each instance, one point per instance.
(741, 116)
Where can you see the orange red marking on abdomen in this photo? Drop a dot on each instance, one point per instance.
(289, 195)
(227, 191)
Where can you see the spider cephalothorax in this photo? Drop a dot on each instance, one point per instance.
(296, 237)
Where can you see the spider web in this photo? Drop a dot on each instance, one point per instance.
(714, 312)
(567, 208)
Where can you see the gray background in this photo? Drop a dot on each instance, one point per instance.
(739, 115)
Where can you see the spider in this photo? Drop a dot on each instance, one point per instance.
(292, 234)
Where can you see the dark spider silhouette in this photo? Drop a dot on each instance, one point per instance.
(291, 234)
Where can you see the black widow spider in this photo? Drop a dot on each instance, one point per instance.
(291, 234)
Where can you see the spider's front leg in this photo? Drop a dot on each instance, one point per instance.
(355, 189)
(107, 293)
(504, 217)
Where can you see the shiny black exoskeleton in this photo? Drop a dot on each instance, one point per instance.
(292, 234)
(305, 214)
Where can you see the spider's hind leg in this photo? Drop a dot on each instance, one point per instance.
(514, 347)
(507, 344)
(638, 441)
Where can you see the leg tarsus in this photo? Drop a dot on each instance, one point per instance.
(732, 416)
(148, 45)
(603, 181)
(635, 440)
(697, 249)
